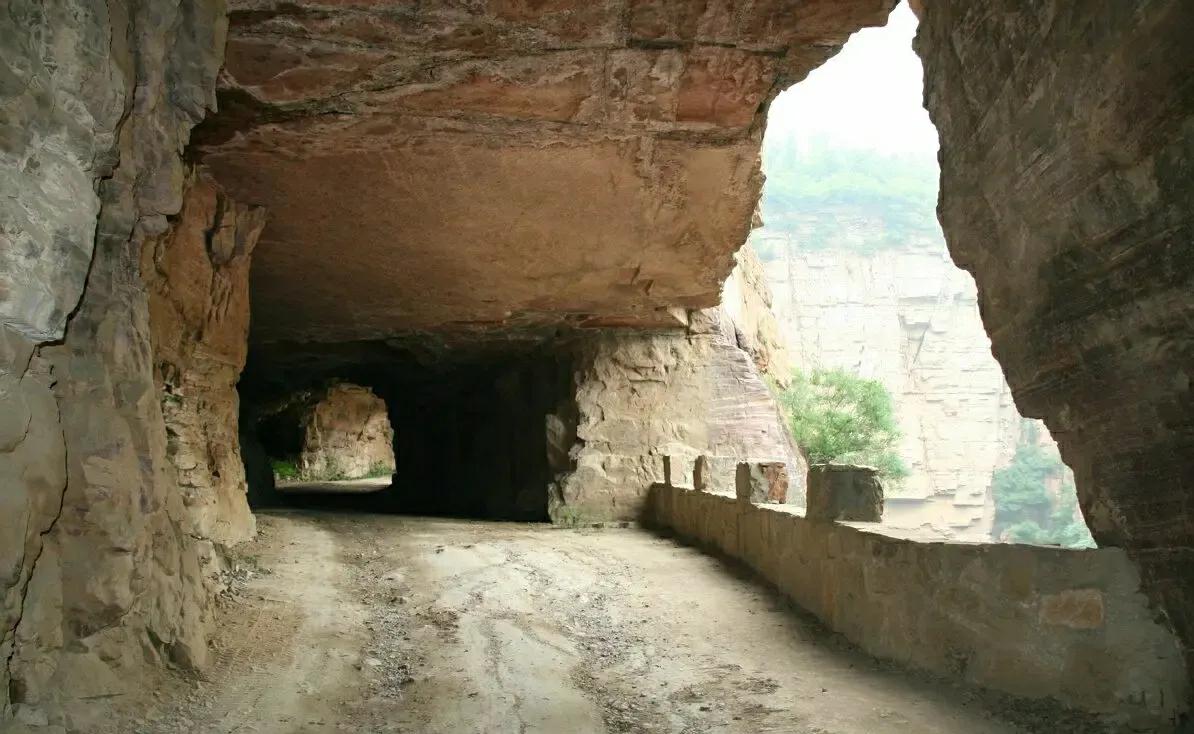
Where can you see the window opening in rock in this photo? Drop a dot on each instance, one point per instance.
(893, 366)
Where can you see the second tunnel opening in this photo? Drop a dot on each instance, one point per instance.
(415, 427)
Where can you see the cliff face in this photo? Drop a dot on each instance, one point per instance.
(198, 280)
(642, 396)
(905, 316)
(1067, 136)
(98, 574)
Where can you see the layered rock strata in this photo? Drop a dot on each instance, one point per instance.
(642, 396)
(906, 316)
(529, 163)
(1067, 137)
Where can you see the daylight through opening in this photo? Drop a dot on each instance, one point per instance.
(891, 364)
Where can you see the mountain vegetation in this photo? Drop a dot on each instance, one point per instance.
(836, 416)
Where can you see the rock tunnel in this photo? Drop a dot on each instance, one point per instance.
(511, 221)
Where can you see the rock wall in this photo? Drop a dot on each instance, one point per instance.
(1067, 138)
(907, 317)
(98, 575)
(1032, 621)
(641, 396)
(347, 435)
(198, 280)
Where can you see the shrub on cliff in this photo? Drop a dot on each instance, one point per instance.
(836, 416)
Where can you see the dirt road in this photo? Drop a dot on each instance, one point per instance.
(365, 623)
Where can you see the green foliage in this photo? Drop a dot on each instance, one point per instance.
(810, 189)
(839, 417)
(379, 469)
(1025, 509)
(285, 468)
(570, 517)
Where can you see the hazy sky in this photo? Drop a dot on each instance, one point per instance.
(868, 96)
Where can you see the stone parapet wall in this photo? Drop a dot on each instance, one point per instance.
(1027, 620)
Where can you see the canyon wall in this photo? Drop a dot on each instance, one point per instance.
(97, 571)
(904, 315)
(1067, 137)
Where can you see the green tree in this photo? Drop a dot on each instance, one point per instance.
(1025, 510)
(835, 416)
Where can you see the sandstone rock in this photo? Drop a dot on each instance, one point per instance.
(399, 120)
(1065, 192)
(761, 482)
(747, 298)
(1076, 608)
(347, 435)
(844, 492)
(198, 280)
(98, 576)
(640, 397)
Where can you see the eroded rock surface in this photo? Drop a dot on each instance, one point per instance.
(1067, 139)
(98, 576)
(347, 435)
(198, 280)
(643, 396)
(591, 163)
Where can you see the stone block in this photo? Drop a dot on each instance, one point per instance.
(701, 474)
(1075, 608)
(844, 492)
(764, 482)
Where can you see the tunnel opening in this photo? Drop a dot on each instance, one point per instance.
(468, 429)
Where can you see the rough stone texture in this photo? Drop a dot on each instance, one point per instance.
(642, 396)
(907, 317)
(747, 298)
(98, 576)
(63, 95)
(347, 435)
(702, 476)
(606, 154)
(1029, 620)
(1067, 139)
(198, 280)
(483, 440)
(844, 492)
(761, 482)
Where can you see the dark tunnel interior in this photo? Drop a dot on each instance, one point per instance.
(469, 426)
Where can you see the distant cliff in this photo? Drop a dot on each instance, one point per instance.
(903, 314)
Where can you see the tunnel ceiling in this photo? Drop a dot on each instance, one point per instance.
(502, 164)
